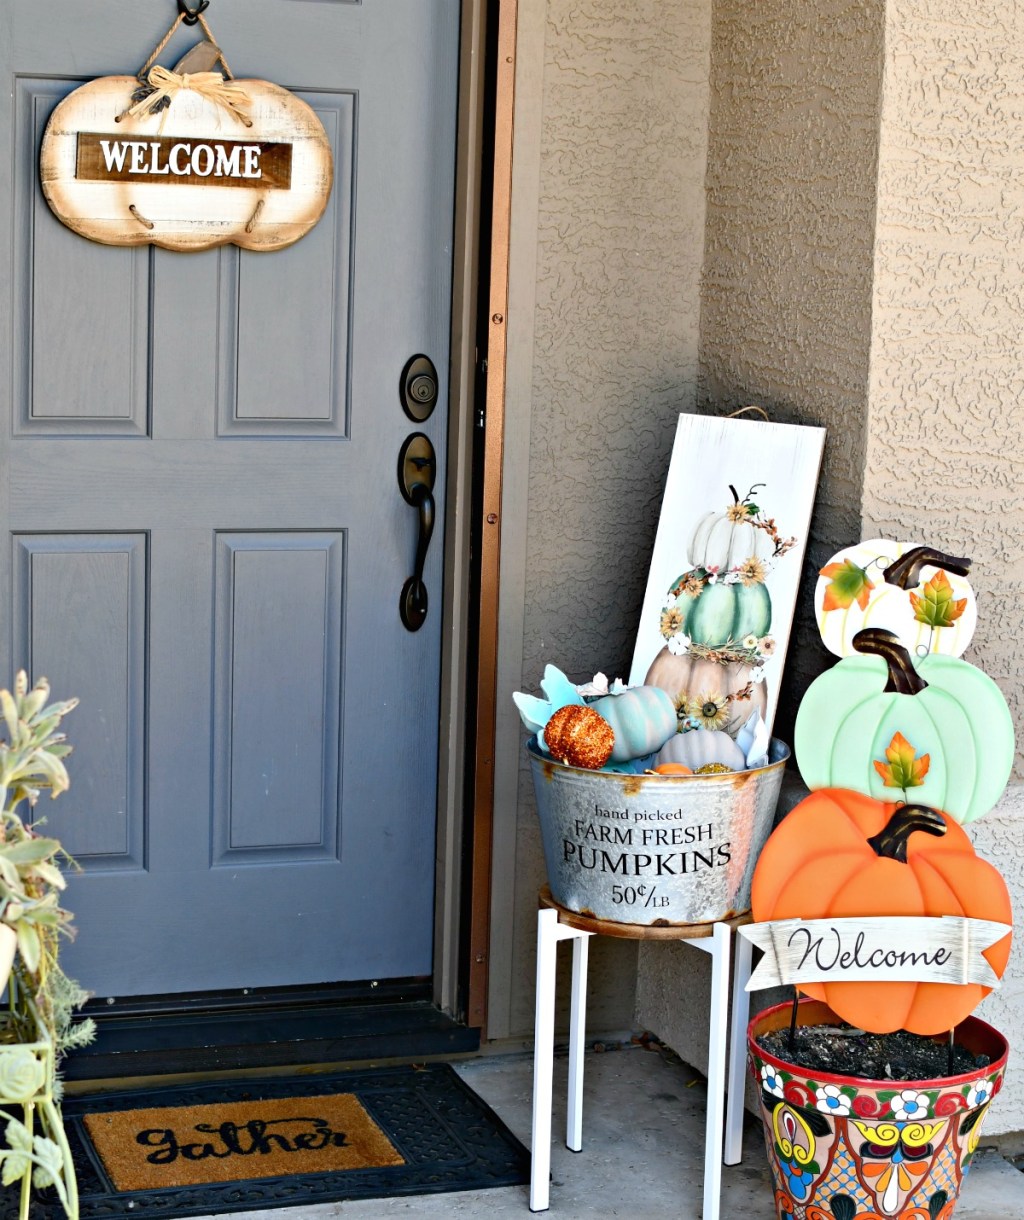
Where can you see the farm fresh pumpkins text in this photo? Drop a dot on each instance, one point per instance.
(670, 850)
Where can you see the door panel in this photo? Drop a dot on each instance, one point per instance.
(205, 537)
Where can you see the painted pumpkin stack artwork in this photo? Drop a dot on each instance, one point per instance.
(717, 618)
(725, 571)
(869, 899)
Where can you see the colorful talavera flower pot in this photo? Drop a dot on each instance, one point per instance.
(849, 1148)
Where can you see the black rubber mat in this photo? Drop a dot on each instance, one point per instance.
(448, 1137)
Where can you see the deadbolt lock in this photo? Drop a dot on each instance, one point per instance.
(418, 388)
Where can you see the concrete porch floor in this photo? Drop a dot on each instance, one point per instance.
(643, 1152)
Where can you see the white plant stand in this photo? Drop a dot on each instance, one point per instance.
(727, 1039)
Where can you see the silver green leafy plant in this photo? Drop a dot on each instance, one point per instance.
(42, 1000)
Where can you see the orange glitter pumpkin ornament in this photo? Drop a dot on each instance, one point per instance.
(579, 736)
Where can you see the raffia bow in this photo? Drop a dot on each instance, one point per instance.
(211, 85)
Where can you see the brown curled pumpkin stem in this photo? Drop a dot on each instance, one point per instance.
(905, 572)
(891, 840)
(903, 677)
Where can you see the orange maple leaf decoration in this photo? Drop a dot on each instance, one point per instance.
(936, 607)
(903, 770)
(849, 584)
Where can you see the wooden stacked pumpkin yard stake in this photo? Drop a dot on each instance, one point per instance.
(870, 901)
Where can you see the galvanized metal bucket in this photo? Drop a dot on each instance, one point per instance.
(654, 849)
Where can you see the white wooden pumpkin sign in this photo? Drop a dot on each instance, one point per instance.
(186, 160)
(918, 592)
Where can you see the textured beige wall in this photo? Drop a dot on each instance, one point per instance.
(790, 229)
(620, 243)
(945, 459)
(900, 331)
(946, 455)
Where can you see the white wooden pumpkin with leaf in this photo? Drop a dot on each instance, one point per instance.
(919, 593)
(188, 161)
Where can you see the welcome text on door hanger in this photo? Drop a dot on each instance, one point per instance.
(169, 159)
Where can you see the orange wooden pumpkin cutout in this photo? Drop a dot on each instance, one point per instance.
(842, 854)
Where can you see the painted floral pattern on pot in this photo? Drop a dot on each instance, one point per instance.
(845, 1148)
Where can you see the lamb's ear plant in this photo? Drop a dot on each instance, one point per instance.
(31, 883)
(39, 1027)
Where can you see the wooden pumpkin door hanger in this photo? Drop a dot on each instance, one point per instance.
(186, 158)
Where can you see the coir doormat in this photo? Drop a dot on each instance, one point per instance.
(194, 1150)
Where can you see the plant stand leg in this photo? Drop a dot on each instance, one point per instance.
(26, 1181)
(742, 949)
(543, 1059)
(577, 1034)
(717, 945)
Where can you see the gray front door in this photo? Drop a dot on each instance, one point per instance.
(204, 537)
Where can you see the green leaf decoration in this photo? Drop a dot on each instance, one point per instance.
(937, 606)
(18, 1160)
(849, 584)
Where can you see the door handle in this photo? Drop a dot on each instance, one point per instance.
(417, 467)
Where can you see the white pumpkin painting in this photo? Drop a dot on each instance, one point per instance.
(727, 561)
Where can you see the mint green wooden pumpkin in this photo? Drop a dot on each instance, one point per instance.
(942, 707)
(643, 718)
(723, 613)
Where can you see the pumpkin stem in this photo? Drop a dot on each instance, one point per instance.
(891, 840)
(905, 572)
(735, 494)
(903, 677)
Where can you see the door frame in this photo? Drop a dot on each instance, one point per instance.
(469, 641)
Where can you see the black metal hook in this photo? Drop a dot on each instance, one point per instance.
(191, 15)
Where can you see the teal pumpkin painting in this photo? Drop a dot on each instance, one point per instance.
(881, 722)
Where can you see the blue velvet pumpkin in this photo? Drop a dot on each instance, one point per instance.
(643, 718)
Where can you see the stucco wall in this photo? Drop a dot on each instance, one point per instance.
(790, 229)
(619, 248)
(947, 367)
(903, 337)
(946, 457)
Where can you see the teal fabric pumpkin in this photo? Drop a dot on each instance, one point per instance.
(701, 747)
(937, 729)
(643, 718)
(722, 613)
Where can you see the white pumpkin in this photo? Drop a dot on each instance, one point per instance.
(700, 747)
(167, 208)
(718, 542)
(863, 586)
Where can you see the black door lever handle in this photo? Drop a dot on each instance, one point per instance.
(417, 467)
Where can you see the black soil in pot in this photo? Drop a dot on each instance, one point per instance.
(842, 1050)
